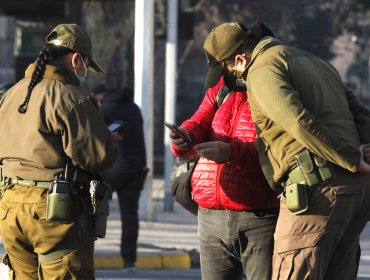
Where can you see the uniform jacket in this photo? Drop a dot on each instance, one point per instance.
(298, 101)
(61, 124)
(131, 153)
(237, 184)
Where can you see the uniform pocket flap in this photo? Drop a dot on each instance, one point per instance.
(297, 242)
(3, 212)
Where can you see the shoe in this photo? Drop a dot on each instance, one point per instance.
(129, 268)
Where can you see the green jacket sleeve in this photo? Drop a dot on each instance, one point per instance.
(360, 114)
(281, 103)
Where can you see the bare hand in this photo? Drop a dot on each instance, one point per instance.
(366, 152)
(217, 151)
(178, 141)
(363, 165)
(117, 137)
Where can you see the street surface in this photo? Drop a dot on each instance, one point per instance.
(194, 274)
(165, 274)
(364, 269)
(149, 274)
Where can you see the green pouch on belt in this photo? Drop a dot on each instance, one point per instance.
(296, 198)
(326, 169)
(307, 167)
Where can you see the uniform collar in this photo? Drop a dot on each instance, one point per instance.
(263, 45)
(56, 72)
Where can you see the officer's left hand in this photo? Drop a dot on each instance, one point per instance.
(217, 151)
(366, 152)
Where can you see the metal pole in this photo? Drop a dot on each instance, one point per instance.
(170, 94)
(143, 69)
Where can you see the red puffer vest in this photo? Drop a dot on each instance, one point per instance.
(237, 184)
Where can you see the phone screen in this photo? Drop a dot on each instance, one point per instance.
(117, 126)
(114, 126)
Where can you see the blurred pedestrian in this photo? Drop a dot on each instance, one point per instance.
(237, 209)
(312, 130)
(51, 123)
(99, 91)
(127, 176)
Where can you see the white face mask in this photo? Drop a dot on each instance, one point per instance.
(83, 77)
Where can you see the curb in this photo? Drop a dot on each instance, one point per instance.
(175, 260)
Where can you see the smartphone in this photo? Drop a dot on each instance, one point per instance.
(179, 133)
(118, 126)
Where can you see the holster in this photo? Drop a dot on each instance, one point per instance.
(102, 210)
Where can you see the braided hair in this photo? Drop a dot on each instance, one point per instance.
(49, 53)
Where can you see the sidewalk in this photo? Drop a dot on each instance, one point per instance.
(170, 241)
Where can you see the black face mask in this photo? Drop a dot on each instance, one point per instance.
(233, 83)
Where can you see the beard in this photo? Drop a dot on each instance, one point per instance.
(234, 83)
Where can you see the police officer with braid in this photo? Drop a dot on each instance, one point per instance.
(49, 123)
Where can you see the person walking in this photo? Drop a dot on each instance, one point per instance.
(237, 209)
(127, 176)
(55, 144)
(312, 136)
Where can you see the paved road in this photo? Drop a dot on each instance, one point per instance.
(150, 274)
(364, 269)
(194, 274)
(165, 274)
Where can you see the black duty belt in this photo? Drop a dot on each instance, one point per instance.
(30, 183)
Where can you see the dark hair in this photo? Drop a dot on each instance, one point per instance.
(258, 30)
(49, 53)
(246, 48)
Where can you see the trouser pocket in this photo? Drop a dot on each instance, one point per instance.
(294, 257)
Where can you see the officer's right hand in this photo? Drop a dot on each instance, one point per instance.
(178, 141)
(117, 137)
(363, 165)
(366, 152)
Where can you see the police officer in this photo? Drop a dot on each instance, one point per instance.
(48, 122)
(312, 130)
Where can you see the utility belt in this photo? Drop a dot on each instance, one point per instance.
(311, 171)
(61, 192)
(76, 188)
(39, 184)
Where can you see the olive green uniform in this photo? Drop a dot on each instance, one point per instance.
(295, 109)
(62, 124)
(299, 102)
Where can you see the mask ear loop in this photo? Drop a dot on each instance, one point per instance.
(75, 71)
(83, 62)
